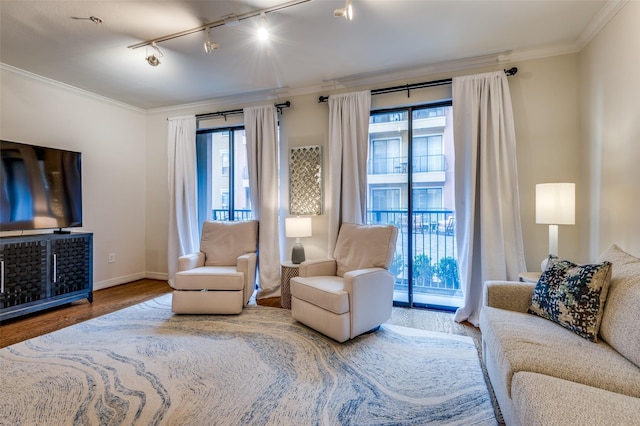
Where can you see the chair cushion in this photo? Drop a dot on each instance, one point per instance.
(325, 292)
(210, 278)
(621, 315)
(572, 295)
(364, 246)
(223, 242)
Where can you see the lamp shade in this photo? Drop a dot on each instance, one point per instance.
(297, 227)
(556, 203)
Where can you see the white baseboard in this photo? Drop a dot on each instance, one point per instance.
(100, 285)
(162, 276)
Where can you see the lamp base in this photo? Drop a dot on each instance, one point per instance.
(297, 254)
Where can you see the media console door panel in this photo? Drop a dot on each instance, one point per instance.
(42, 271)
(70, 265)
(24, 272)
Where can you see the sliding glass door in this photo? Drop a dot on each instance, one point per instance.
(410, 185)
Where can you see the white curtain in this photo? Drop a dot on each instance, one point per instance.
(347, 170)
(183, 202)
(488, 231)
(261, 129)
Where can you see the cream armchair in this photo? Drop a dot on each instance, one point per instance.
(221, 277)
(351, 293)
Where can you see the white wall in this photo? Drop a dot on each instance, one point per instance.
(125, 157)
(112, 140)
(545, 106)
(610, 143)
(545, 101)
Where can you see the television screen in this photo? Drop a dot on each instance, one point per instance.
(40, 187)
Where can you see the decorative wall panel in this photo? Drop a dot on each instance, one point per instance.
(305, 180)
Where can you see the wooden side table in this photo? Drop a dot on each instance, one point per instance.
(530, 277)
(288, 271)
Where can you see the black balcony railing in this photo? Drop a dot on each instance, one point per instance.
(399, 165)
(223, 214)
(433, 260)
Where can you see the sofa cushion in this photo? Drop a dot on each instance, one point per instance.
(223, 242)
(522, 342)
(572, 295)
(364, 246)
(621, 315)
(545, 400)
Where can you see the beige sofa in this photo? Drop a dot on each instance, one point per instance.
(544, 374)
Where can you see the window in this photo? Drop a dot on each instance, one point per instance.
(427, 198)
(385, 198)
(224, 158)
(224, 199)
(428, 154)
(223, 187)
(386, 156)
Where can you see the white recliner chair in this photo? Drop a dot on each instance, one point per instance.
(351, 293)
(221, 277)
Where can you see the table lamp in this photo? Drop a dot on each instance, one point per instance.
(297, 227)
(555, 205)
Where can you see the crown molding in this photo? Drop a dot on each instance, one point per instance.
(375, 78)
(539, 53)
(67, 87)
(224, 102)
(602, 18)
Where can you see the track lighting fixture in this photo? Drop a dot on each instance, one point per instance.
(210, 46)
(154, 58)
(346, 11)
(230, 20)
(227, 20)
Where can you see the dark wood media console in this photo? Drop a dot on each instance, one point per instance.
(42, 271)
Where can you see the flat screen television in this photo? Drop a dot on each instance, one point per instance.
(40, 187)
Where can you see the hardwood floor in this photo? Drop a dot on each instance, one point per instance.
(104, 301)
(119, 297)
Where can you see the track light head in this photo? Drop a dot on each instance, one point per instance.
(210, 46)
(154, 58)
(346, 11)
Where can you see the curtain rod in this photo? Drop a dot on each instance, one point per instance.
(224, 114)
(409, 87)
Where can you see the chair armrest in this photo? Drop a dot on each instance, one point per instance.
(370, 298)
(247, 265)
(318, 268)
(190, 261)
(510, 295)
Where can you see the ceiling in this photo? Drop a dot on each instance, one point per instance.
(309, 48)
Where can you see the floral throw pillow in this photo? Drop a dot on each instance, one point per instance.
(572, 295)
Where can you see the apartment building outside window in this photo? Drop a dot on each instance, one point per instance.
(410, 184)
(223, 184)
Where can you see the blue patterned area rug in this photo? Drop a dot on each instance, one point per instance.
(143, 365)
